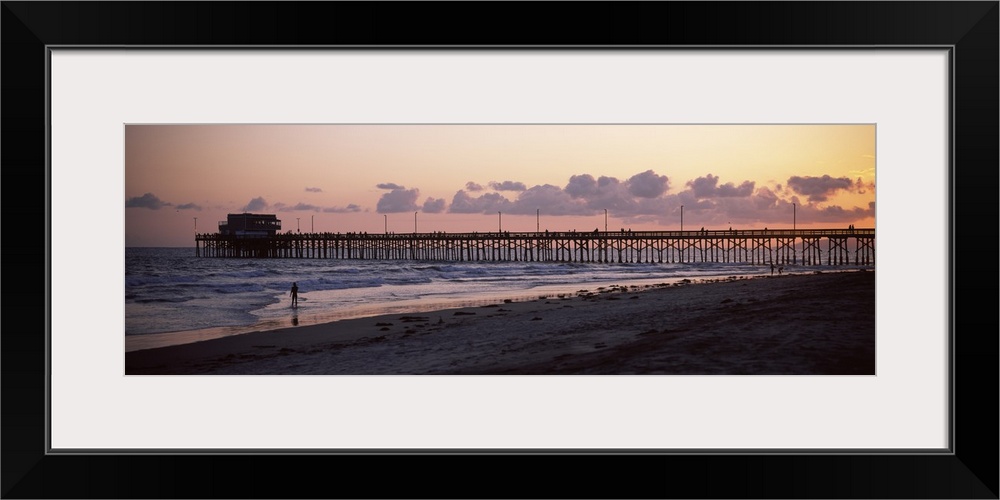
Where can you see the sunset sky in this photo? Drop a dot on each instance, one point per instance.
(364, 178)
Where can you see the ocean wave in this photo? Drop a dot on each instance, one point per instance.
(173, 289)
(162, 300)
(240, 288)
(162, 280)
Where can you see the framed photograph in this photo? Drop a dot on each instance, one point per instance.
(133, 116)
(378, 268)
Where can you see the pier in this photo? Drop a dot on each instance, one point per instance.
(759, 246)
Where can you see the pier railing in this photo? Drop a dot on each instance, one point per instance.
(755, 246)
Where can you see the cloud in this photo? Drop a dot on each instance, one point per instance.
(764, 208)
(434, 206)
(759, 209)
(643, 198)
(818, 188)
(765, 198)
(550, 200)
(313, 190)
(148, 200)
(647, 184)
(583, 195)
(351, 208)
(581, 186)
(863, 187)
(389, 185)
(599, 193)
(594, 191)
(188, 206)
(612, 195)
(398, 200)
(704, 187)
(309, 207)
(462, 203)
(728, 190)
(836, 213)
(256, 204)
(508, 186)
(472, 186)
(708, 187)
(692, 201)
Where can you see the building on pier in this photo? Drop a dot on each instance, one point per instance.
(247, 225)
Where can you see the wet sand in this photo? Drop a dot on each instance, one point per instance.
(809, 324)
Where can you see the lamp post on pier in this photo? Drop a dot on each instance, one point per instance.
(414, 222)
(312, 223)
(538, 225)
(499, 222)
(385, 223)
(605, 220)
(682, 218)
(297, 229)
(794, 257)
(195, 225)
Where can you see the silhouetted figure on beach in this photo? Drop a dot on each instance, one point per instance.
(780, 268)
(295, 294)
(772, 269)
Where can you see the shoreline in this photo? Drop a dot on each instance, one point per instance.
(787, 324)
(307, 316)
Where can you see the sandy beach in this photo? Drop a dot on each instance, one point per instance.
(808, 324)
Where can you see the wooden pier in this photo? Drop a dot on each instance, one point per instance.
(778, 246)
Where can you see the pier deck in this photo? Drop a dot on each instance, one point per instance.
(759, 246)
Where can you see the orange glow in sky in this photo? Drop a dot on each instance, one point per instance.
(372, 178)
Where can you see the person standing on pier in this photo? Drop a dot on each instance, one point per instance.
(295, 294)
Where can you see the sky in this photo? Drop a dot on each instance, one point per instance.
(183, 179)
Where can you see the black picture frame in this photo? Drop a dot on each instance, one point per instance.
(969, 28)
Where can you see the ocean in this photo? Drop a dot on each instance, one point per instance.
(173, 296)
